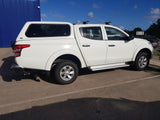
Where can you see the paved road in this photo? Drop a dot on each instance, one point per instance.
(118, 94)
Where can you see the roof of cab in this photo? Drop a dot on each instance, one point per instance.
(80, 25)
(48, 22)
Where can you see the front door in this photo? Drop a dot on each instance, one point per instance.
(119, 50)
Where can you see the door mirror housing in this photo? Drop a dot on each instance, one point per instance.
(128, 38)
(131, 37)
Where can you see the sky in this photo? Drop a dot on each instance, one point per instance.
(125, 14)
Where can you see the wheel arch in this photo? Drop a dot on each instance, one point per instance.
(67, 55)
(147, 50)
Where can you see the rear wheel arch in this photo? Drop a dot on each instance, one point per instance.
(70, 57)
(65, 69)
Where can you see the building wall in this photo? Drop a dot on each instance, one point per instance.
(13, 15)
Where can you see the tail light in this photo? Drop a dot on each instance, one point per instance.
(18, 49)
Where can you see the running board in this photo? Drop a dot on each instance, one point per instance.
(110, 66)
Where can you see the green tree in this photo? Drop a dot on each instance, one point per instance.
(154, 29)
(158, 21)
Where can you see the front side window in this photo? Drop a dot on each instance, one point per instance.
(114, 34)
(94, 33)
(48, 30)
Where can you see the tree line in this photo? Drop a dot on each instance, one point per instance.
(152, 32)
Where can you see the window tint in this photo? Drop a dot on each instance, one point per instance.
(114, 34)
(94, 33)
(48, 30)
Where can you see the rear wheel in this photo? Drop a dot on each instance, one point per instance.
(65, 72)
(142, 61)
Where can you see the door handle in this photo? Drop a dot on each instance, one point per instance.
(111, 45)
(85, 45)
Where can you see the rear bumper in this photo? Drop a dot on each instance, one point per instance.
(15, 66)
(27, 72)
(18, 69)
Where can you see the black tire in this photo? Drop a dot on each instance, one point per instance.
(65, 72)
(142, 61)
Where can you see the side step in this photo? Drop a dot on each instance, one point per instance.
(110, 66)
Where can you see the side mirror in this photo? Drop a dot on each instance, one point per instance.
(131, 37)
(128, 38)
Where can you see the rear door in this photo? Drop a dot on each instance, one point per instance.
(92, 44)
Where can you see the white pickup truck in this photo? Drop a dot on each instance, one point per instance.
(62, 48)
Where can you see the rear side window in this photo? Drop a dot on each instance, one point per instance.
(94, 33)
(48, 30)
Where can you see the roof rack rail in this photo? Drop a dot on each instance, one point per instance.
(85, 22)
(107, 23)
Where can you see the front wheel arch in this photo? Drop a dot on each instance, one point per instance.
(148, 51)
(142, 60)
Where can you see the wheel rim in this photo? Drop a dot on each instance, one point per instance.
(143, 61)
(67, 73)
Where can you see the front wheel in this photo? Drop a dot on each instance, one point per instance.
(65, 72)
(142, 61)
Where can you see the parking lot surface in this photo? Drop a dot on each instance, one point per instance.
(117, 94)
